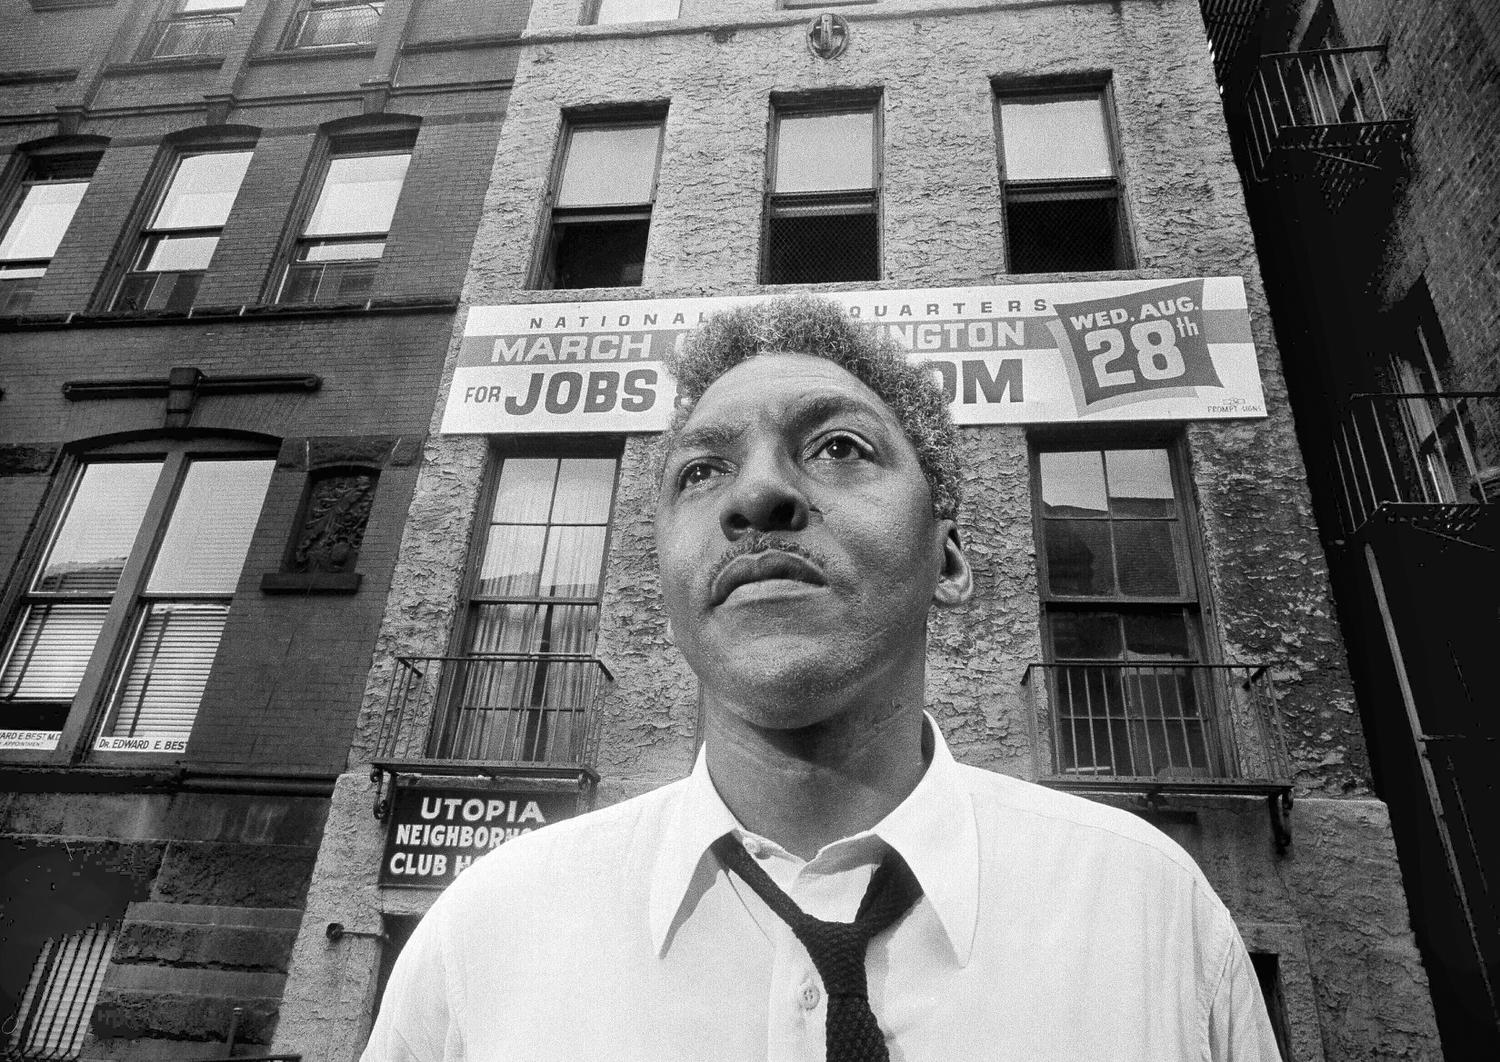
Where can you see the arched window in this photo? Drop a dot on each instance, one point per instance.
(37, 203)
(113, 640)
(198, 180)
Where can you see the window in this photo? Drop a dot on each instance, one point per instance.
(60, 995)
(51, 190)
(344, 235)
(325, 23)
(823, 216)
(144, 560)
(1439, 439)
(612, 11)
(1121, 615)
(533, 613)
(179, 240)
(601, 214)
(191, 27)
(1062, 192)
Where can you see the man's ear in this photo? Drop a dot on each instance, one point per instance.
(956, 580)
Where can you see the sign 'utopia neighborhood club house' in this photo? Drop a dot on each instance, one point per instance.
(1096, 351)
(434, 833)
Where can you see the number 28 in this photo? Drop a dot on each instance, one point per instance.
(1156, 353)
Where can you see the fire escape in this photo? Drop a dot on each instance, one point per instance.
(1411, 478)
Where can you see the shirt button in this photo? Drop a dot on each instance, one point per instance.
(808, 995)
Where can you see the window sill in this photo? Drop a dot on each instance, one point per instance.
(304, 55)
(200, 315)
(65, 5)
(455, 44)
(176, 62)
(32, 77)
(310, 582)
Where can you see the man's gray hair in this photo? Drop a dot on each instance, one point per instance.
(802, 324)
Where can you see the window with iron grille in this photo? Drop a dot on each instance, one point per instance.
(526, 683)
(51, 188)
(344, 235)
(329, 23)
(823, 208)
(191, 28)
(601, 213)
(60, 994)
(608, 12)
(123, 616)
(1121, 614)
(178, 241)
(1064, 211)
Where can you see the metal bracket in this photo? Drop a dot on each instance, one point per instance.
(1280, 805)
(382, 807)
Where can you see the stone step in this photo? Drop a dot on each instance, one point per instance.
(234, 875)
(201, 935)
(157, 1049)
(186, 1003)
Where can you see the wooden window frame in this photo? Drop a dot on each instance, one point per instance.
(557, 218)
(779, 205)
(1073, 189)
(374, 144)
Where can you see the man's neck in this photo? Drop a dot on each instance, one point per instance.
(808, 787)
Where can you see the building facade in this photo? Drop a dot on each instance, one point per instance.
(1367, 131)
(291, 251)
(232, 240)
(998, 185)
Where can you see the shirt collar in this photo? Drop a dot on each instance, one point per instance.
(933, 829)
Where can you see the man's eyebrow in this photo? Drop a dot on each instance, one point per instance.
(805, 413)
(815, 409)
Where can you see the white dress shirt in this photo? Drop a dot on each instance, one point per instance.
(1050, 928)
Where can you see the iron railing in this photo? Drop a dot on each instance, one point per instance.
(17, 286)
(147, 291)
(1321, 110)
(323, 25)
(316, 282)
(1424, 455)
(177, 38)
(517, 708)
(1101, 724)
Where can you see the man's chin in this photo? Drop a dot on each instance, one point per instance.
(782, 681)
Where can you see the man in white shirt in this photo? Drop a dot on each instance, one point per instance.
(806, 523)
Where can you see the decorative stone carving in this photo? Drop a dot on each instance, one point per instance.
(333, 522)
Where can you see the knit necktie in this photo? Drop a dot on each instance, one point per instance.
(837, 949)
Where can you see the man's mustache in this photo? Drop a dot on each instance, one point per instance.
(762, 542)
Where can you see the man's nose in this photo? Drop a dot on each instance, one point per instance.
(765, 497)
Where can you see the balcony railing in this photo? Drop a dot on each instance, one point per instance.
(515, 709)
(1157, 727)
(1431, 458)
(1322, 112)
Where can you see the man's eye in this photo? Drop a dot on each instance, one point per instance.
(841, 448)
(695, 473)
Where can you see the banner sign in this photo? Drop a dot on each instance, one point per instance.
(1094, 351)
(435, 833)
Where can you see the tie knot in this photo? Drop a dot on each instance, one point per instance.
(837, 949)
